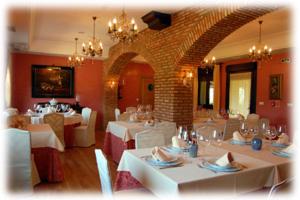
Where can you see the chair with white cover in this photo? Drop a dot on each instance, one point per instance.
(252, 120)
(284, 187)
(117, 114)
(168, 129)
(56, 121)
(18, 159)
(104, 174)
(86, 113)
(84, 135)
(131, 109)
(149, 138)
(231, 125)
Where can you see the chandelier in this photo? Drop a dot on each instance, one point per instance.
(94, 47)
(208, 64)
(260, 52)
(75, 60)
(122, 29)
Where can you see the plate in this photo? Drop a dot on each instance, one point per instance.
(173, 162)
(281, 154)
(240, 142)
(274, 144)
(214, 167)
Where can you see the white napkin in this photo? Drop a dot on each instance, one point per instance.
(159, 155)
(290, 149)
(177, 142)
(50, 110)
(30, 112)
(238, 137)
(283, 139)
(133, 117)
(73, 113)
(225, 160)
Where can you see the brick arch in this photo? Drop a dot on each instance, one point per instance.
(212, 29)
(119, 56)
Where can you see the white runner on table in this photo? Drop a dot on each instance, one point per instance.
(69, 119)
(127, 130)
(42, 135)
(191, 178)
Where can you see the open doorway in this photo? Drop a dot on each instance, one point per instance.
(241, 88)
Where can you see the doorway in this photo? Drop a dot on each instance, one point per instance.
(241, 88)
(147, 91)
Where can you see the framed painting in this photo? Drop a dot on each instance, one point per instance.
(52, 81)
(276, 86)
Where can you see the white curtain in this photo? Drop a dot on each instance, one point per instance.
(217, 89)
(7, 83)
(239, 93)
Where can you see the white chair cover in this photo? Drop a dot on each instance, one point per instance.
(19, 159)
(231, 125)
(103, 173)
(86, 113)
(252, 120)
(56, 121)
(84, 135)
(131, 109)
(168, 129)
(117, 113)
(149, 138)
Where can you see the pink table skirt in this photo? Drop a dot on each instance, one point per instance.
(69, 134)
(114, 146)
(48, 164)
(124, 181)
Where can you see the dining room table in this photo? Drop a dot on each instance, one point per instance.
(70, 122)
(258, 169)
(45, 147)
(120, 135)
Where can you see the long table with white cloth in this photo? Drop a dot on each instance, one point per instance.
(263, 169)
(120, 135)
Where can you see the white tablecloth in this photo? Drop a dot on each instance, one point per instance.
(69, 119)
(190, 178)
(127, 130)
(42, 135)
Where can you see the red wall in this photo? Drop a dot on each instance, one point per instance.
(131, 77)
(88, 82)
(280, 113)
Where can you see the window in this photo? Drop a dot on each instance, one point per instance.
(205, 88)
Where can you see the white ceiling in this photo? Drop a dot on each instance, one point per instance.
(52, 31)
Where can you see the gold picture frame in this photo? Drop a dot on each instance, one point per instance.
(276, 86)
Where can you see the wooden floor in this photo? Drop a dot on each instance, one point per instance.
(80, 170)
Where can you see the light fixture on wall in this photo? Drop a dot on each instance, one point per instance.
(260, 52)
(122, 29)
(75, 60)
(187, 78)
(112, 84)
(208, 64)
(95, 47)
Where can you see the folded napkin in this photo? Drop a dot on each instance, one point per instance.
(177, 142)
(290, 149)
(133, 117)
(159, 155)
(30, 112)
(225, 160)
(283, 139)
(238, 137)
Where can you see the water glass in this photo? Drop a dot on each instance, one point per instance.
(217, 137)
(281, 128)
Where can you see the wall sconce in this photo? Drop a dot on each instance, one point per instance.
(112, 84)
(187, 78)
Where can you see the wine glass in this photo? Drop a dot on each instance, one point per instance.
(253, 131)
(270, 134)
(202, 139)
(244, 129)
(281, 128)
(216, 137)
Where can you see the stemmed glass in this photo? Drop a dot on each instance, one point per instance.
(281, 128)
(270, 134)
(244, 129)
(253, 131)
(216, 137)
